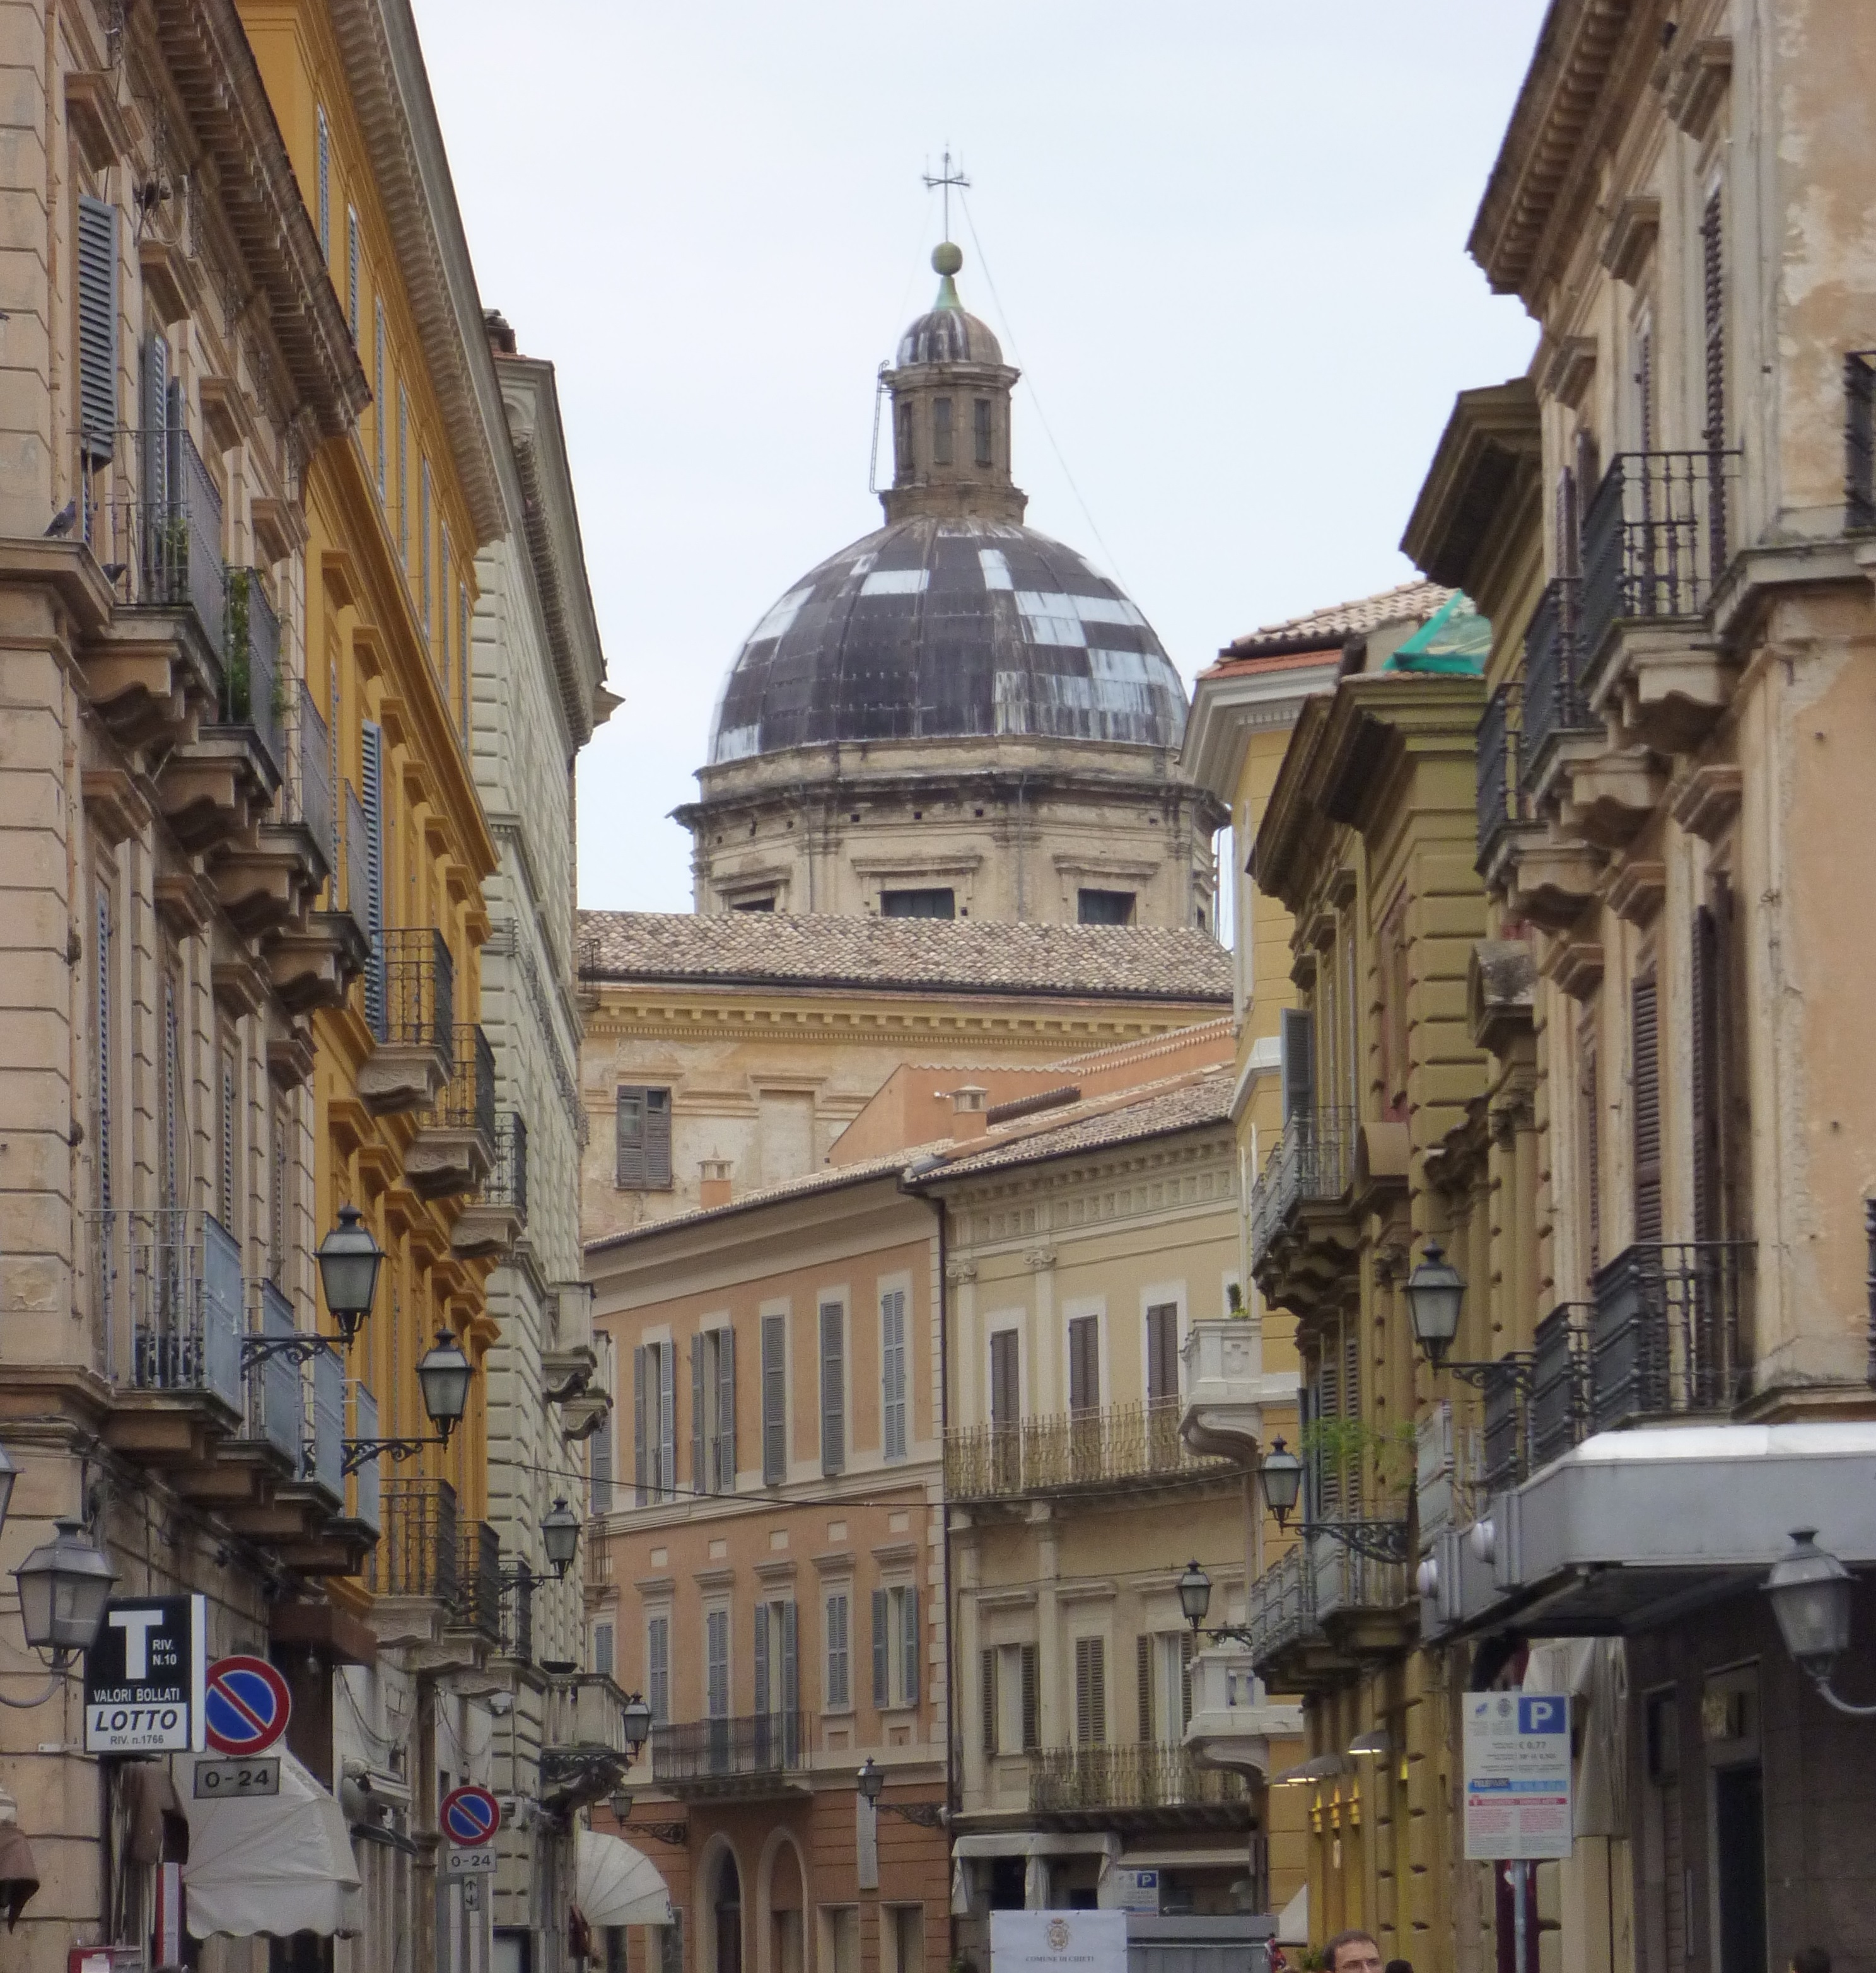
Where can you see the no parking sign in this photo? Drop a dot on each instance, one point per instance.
(248, 1705)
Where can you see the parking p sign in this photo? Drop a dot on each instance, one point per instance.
(1517, 1775)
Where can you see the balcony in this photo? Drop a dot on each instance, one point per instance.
(1300, 1234)
(1504, 806)
(1666, 1332)
(1227, 1389)
(1134, 1786)
(1335, 1602)
(413, 1572)
(410, 1003)
(752, 1757)
(1655, 543)
(584, 1753)
(1233, 1720)
(497, 1215)
(478, 1606)
(273, 874)
(454, 1147)
(1560, 1389)
(314, 955)
(515, 1637)
(1137, 1443)
(150, 514)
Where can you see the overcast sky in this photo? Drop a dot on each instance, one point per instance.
(1227, 242)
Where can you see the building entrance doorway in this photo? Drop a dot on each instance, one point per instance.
(728, 1916)
(1739, 1861)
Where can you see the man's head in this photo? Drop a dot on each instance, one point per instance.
(1352, 1952)
(1810, 1959)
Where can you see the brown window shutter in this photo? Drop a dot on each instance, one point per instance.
(1713, 274)
(657, 1137)
(1351, 1408)
(1589, 1100)
(1084, 1364)
(1090, 1696)
(987, 1661)
(1032, 1701)
(1143, 1683)
(1185, 1680)
(1705, 1091)
(1645, 1044)
(1163, 1352)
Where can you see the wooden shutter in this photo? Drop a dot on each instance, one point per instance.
(987, 1697)
(1328, 1409)
(97, 328)
(153, 467)
(1704, 984)
(1091, 1692)
(892, 1373)
(403, 478)
(909, 1612)
(657, 1138)
(324, 183)
(1645, 388)
(1712, 277)
(667, 1420)
(1569, 517)
(377, 395)
(1032, 1701)
(423, 543)
(881, 1619)
(839, 1692)
(171, 1146)
(716, 1664)
(639, 1447)
(701, 1477)
(726, 1411)
(1143, 1685)
(774, 1400)
(1006, 1407)
(1163, 1352)
(1589, 1100)
(1644, 1041)
(941, 431)
(101, 1063)
(629, 1136)
(229, 1163)
(352, 270)
(791, 1661)
(1186, 1642)
(832, 1387)
(761, 1657)
(1296, 1043)
(372, 799)
(600, 1467)
(1085, 1364)
(658, 1660)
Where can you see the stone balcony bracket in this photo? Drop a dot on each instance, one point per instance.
(1226, 1388)
(1611, 796)
(1664, 683)
(403, 1075)
(1555, 876)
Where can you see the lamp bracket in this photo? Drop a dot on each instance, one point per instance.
(1822, 1680)
(1225, 1634)
(262, 1349)
(1379, 1541)
(1518, 1369)
(676, 1833)
(926, 1814)
(361, 1451)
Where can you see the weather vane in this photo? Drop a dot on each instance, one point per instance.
(948, 178)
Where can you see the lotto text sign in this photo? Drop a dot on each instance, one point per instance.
(145, 1675)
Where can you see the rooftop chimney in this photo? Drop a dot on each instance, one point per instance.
(967, 1117)
(713, 1187)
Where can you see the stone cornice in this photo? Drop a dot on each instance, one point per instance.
(1492, 442)
(1229, 706)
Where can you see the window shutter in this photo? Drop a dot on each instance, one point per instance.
(941, 431)
(726, 1411)
(228, 1159)
(1569, 523)
(716, 1664)
(1005, 1408)
(987, 1697)
(1185, 1680)
(893, 1359)
(97, 328)
(1645, 388)
(1590, 1099)
(629, 1134)
(379, 398)
(658, 1657)
(1645, 1042)
(372, 797)
(1708, 1216)
(171, 1096)
(909, 1610)
(1032, 1701)
(667, 1421)
(1084, 1364)
(403, 478)
(1297, 1042)
(1143, 1684)
(1091, 1695)
(1162, 1353)
(761, 1658)
(352, 270)
(881, 1618)
(657, 1137)
(833, 1388)
(600, 1468)
(101, 1065)
(1328, 1410)
(325, 184)
(790, 1662)
(155, 464)
(774, 1400)
(423, 543)
(840, 1690)
(700, 1478)
(602, 1649)
(1713, 273)
(639, 1445)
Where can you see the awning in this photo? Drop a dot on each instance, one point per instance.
(614, 1884)
(1323, 1768)
(1293, 1926)
(277, 1864)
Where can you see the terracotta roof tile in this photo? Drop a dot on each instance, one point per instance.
(906, 955)
(1189, 1103)
(1342, 619)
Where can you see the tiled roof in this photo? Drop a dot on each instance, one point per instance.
(1188, 1103)
(1342, 620)
(905, 955)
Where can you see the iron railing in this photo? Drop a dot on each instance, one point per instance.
(516, 1634)
(418, 1551)
(367, 1502)
(1553, 702)
(1503, 1444)
(152, 517)
(324, 1455)
(1128, 1776)
(1280, 1608)
(307, 798)
(721, 1750)
(478, 1579)
(1314, 1160)
(1336, 1566)
(1559, 1382)
(416, 995)
(168, 1291)
(1502, 801)
(1654, 539)
(276, 1407)
(1666, 1332)
(1859, 439)
(507, 1182)
(467, 1102)
(1138, 1442)
(253, 693)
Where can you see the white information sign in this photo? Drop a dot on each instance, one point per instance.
(1059, 1941)
(1517, 1775)
(471, 1863)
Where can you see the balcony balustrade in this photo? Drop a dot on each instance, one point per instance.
(584, 1752)
(453, 1150)
(496, 1214)
(277, 1413)
(478, 1581)
(1554, 705)
(1335, 1599)
(418, 1554)
(1313, 1163)
(314, 955)
(1503, 804)
(1560, 1388)
(1130, 1778)
(1137, 1443)
(1665, 1335)
(410, 1003)
(253, 693)
(751, 1754)
(167, 1285)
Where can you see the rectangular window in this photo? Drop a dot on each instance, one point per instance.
(443, 608)
(1006, 1390)
(840, 1938)
(325, 185)
(1104, 907)
(1084, 1363)
(934, 904)
(774, 1399)
(602, 1648)
(404, 477)
(463, 646)
(902, 1939)
(379, 399)
(778, 1683)
(1164, 1678)
(658, 1669)
(1162, 1353)
(838, 1689)
(716, 1664)
(104, 1025)
(352, 270)
(981, 418)
(1296, 1045)
(892, 1373)
(654, 1422)
(941, 431)
(670, 1942)
(1091, 1692)
(832, 1387)
(97, 327)
(902, 457)
(644, 1138)
(896, 1643)
(423, 543)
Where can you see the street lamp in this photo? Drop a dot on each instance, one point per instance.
(442, 1376)
(637, 1722)
(1811, 1591)
(869, 1780)
(349, 1258)
(1282, 1473)
(1435, 1293)
(620, 1802)
(64, 1586)
(1195, 1594)
(560, 1535)
(8, 1473)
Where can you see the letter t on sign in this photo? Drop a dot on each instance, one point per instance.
(137, 1626)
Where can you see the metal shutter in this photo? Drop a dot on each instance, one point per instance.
(833, 1388)
(97, 328)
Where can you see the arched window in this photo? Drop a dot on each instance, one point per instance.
(727, 1913)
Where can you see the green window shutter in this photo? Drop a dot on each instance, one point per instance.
(97, 327)
(892, 1373)
(774, 1400)
(1032, 1700)
(833, 1388)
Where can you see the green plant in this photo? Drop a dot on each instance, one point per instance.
(1234, 1300)
(239, 683)
(1380, 1458)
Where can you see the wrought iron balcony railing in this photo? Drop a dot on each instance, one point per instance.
(1139, 1443)
(517, 1614)
(418, 1552)
(745, 1746)
(1502, 801)
(1336, 1566)
(479, 1580)
(276, 1408)
(1559, 1385)
(253, 692)
(306, 798)
(1554, 703)
(149, 512)
(1654, 538)
(1859, 439)
(1128, 1776)
(1666, 1332)
(168, 1287)
(1313, 1162)
(467, 1101)
(507, 1182)
(410, 993)
(324, 1455)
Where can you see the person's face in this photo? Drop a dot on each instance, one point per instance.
(1359, 1955)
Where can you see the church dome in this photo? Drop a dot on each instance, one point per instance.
(945, 333)
(949, 627)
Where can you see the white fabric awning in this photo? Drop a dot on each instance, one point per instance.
(614, 1884)
(1293, 1926)
(277, 1864)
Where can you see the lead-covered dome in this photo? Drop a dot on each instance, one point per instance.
(942, 627)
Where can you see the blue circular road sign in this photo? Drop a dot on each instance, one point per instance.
(471, 1816)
